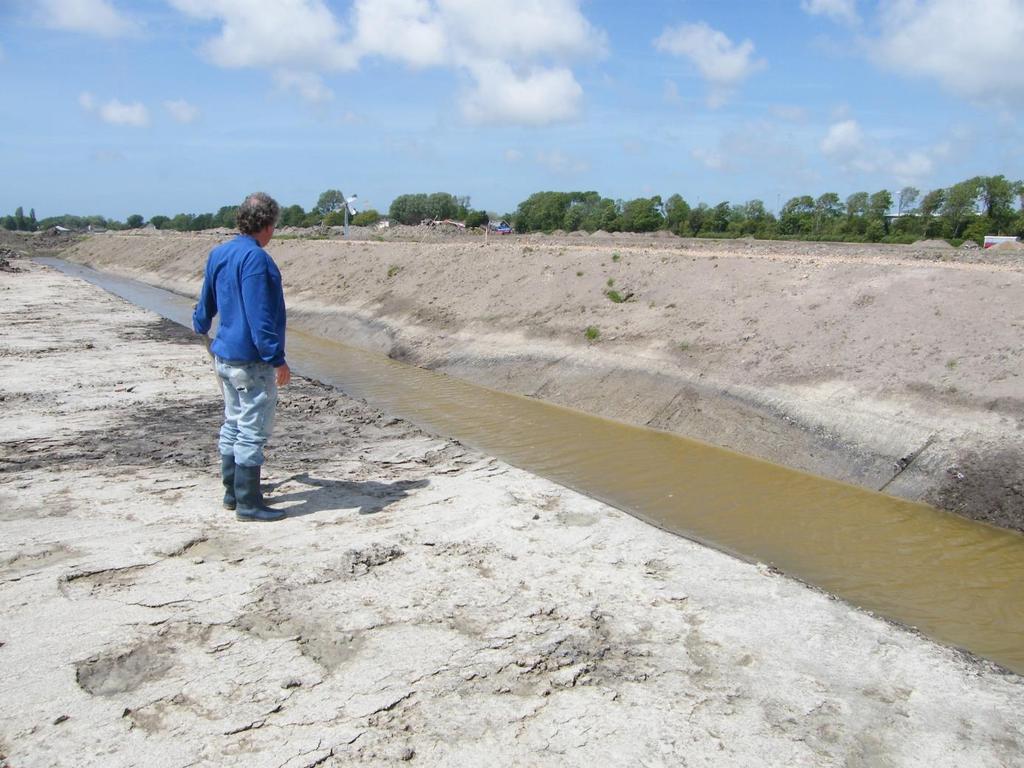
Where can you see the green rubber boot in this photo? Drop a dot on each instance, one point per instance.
(250, 507)
(227, 476)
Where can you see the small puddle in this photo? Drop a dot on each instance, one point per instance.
(958, 581)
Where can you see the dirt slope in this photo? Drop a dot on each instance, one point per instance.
(891, 367)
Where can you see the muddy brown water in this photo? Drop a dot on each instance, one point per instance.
(956, 580)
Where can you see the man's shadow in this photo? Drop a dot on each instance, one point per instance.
(334, 495)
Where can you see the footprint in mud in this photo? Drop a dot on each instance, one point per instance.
(28, 561)
(107, 675)
(104, 580)
(319, 640)
(122, 671)
(577, 519)
(201, 548)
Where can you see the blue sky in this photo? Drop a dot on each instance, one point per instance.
(117, 107)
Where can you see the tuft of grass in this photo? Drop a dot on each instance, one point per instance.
(611, 281)
(592, 333)
(579, 273)
(951, 364)
(684, 346)
(616, 256)
(618, 298)
(393, 270)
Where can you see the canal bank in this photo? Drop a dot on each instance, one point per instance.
(955, 580)
(888, 367)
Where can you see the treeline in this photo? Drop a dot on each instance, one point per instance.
(328, 211)
(19, 222)
(413, 209)
(969, 210)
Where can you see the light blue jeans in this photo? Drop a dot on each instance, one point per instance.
(250, 399)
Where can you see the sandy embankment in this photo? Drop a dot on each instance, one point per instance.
(424, 604)
(895, 367)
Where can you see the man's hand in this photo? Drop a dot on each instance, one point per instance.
(284, 375)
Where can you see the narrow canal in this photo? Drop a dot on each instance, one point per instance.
(958, 581)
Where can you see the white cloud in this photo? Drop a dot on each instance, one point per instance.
(722, 63)
(971, 47)
(181, 111)
(846, 144)
(558, 162)
(406, 30)
(295, 34)
(760, 146)
(115, 112)
(844, 140)
(95, 17)
(537, 97)
(520, 30)
(351, 118)
(518, 73)
(915, 165)
(711, 159)
(843, 11)
(513, 156)
(308, 85)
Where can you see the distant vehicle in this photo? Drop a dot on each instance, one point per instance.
(991, 240)
(501, 228)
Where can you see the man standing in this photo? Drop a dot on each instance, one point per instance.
(243, 284)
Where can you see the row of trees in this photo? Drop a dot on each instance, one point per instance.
(19, 222)
(967, 210)
(329, 210)
(412, 209)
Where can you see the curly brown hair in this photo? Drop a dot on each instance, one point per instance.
(257, 211)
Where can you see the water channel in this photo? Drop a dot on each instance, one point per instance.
(957, 581)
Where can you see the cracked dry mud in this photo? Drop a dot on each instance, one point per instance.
(422, 604)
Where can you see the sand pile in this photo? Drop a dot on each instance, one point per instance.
(6, 254)
(1009, 245)
(934, 243)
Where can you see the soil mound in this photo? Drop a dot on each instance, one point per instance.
(934, 243)
(1009, 245)
(6, 254)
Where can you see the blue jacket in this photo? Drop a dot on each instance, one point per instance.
(243, 284)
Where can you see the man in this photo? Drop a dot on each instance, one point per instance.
(243, 284)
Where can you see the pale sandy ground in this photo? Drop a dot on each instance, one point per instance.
(895, 367)
(425, 604)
